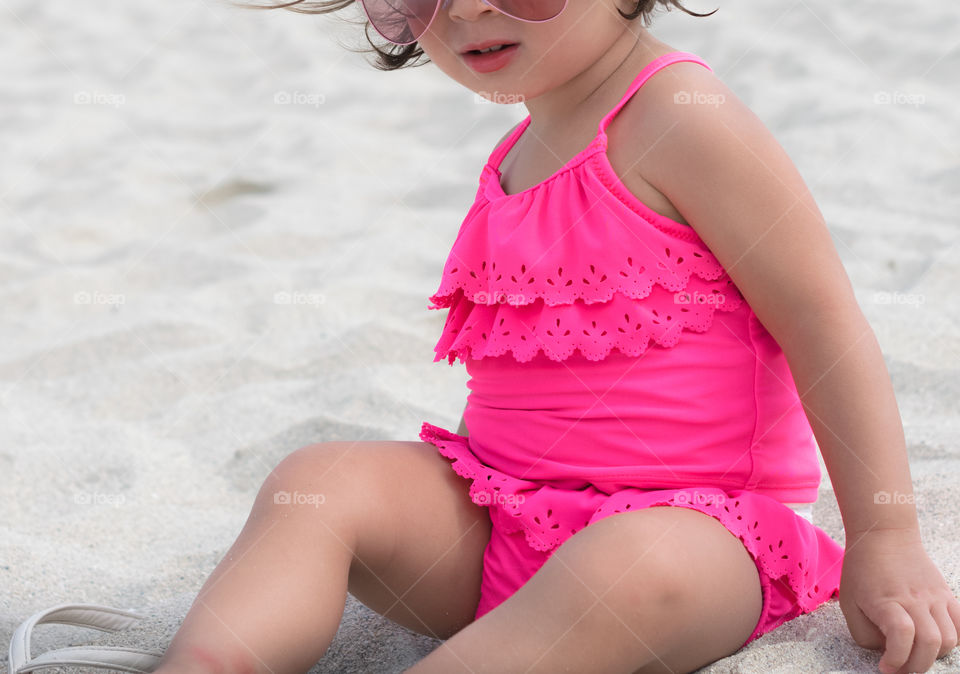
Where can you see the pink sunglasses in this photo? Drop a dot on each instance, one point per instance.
(404, 21)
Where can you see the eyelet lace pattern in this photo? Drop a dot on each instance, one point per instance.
(593, 307)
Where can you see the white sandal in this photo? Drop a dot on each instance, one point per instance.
(101, 618)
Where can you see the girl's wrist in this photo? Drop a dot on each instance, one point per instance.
(879, 512)
(900, 534)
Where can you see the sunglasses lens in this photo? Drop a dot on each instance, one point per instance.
(400, 21)
(404, 21)
(530, 10)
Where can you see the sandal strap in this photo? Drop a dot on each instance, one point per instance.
(99, 657)
(103, 618)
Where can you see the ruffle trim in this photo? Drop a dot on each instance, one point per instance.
(508, 491)
(476, 330)
(482, 283)
(541, 530)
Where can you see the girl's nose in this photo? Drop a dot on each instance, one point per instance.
(484, 3)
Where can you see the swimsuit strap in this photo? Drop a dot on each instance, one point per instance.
(645, 74)
(501, 150)
(648, 71)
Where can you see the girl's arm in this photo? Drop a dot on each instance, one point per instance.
(738, 189)
(730, 179)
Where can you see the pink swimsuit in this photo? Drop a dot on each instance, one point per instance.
(614, 365)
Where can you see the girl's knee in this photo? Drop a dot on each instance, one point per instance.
(316, 485)
(313, 472)
(683, 560)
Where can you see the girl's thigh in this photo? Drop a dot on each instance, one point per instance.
(658, 590)
(419, 539)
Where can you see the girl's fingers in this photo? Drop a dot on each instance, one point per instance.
(948, 628)
(862, 629)
(948, 633)
(953, 608)
(926, 640)
(898, 629)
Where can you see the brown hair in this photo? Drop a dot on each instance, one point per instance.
(392, 56)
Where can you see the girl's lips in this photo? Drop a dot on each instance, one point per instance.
(495, 60)
(476, 46)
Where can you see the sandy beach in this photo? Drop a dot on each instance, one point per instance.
(219, 230)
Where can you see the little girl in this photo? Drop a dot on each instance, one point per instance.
(659, 335)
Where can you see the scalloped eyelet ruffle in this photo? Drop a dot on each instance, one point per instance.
(625, 309)
(568, 266)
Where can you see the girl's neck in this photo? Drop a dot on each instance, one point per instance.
(557, 111)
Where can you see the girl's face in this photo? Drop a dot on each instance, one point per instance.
(548, 54)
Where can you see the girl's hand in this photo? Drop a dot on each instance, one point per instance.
(895, 599)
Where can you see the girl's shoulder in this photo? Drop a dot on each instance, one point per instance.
(657, 112)
(692, 138)
(681, 83)
(649, 120)
(679, 115)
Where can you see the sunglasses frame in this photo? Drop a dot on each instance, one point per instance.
(444, 4)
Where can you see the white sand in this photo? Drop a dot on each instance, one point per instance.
(137, 425)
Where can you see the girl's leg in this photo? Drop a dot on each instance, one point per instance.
(662, 589)
(391, 521)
